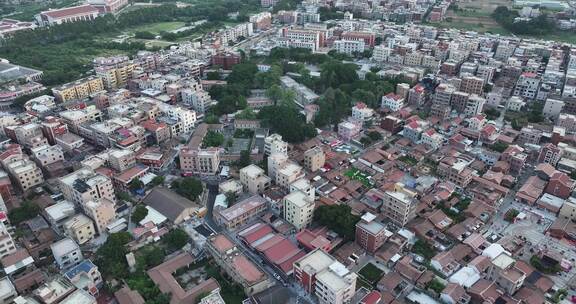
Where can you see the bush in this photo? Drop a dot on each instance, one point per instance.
(144, 35)
(139, 214)
(188, 187)
(27, 211)
(176, 239)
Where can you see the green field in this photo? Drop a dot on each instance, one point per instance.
(360, 176)
(157, 28)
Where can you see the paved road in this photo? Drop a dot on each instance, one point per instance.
(209, 218)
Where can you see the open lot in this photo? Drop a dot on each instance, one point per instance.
(472, 19)
(482, 5)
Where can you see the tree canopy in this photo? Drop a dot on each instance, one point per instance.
(338, 218)
(27, 211)
(188, 187)
(140, 212)
(288, 122)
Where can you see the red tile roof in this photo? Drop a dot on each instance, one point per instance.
(71, 11)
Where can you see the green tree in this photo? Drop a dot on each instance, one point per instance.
(176, 238)
(144, 35)
(140, 212)
(135, 184)
(246, 114)
(111, 256)
(499, 147)
(157, 180)
(244, 159)
(27, 211)
(338, 218)
(213, 139)
(286, 121)
(374, 135)
(188, 187)
(213, 75)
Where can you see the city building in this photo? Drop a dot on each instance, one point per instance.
(114, 71)
(85, 185)
(66, 253)
(392, 102)
(79, 89)
(7, 245)
(242, 212)
(324, 277)
(80, 228)
(298, 209)
(361, 112)
(84, 12)
(85, 276)
(274, 144)
(239, 267)
(371, 234)
(314, 159)
(399, 205)
(254, 179)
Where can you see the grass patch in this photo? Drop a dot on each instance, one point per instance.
(409, 160)
(360, 176)
(371, 273)
(156, 28)
(360, 282)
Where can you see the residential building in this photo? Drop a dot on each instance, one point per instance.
(314, 159)
(80, 228)
(392, 102)
(242, 212)
(298, 209)
(75, 118)
(239, 267)
(504, 272)
(288, 173)
(7, 245)
(200, 161)
(349, 129)
(552, 108)
(361, 112)
(85, 276)
(46, 155)
(85, 185)
(550, 154)
(527, 85)
(226, 60)
(66, 253)
(114, 71)
(399, 205)
(324, 277)
(349, 47)
(121, 159)
(371, 234)
(101, 211)
(274, 144)
(472, 85)
(25, 173)
(254, 179)
(79, 89)
(7, 291)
